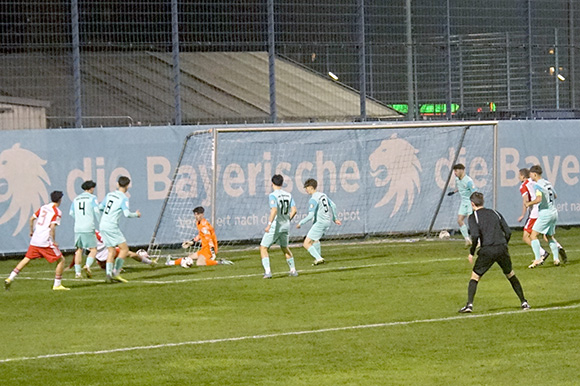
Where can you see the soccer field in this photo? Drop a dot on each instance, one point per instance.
(379, 313)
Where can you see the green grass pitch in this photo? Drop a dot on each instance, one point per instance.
(379, 313)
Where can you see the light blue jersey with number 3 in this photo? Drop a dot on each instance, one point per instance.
(283, 201)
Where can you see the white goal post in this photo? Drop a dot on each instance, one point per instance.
(384, 178)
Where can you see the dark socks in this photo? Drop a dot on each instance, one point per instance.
(517, 288)
(471, 288)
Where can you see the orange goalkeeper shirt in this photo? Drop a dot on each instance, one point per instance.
(207, 237)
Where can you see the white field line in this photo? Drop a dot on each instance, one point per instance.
(283, 334)
(320, 269)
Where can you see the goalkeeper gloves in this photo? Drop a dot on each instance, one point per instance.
(451, 193)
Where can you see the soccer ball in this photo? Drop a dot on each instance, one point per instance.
(142, 253)
(186, 262)
(444, 235)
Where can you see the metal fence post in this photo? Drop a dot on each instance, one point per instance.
(362, 60)
(176, 67)
(272, 62)
(76, 54)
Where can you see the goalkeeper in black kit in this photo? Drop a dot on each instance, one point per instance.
(489, 229)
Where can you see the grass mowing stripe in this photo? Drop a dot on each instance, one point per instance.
(291, 333)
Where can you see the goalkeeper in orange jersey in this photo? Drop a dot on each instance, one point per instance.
(209, 245)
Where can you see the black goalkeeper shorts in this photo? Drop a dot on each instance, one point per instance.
(493, 254)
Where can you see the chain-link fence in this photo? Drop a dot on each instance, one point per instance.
(73, 63)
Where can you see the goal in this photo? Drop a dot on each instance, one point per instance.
(385, 179)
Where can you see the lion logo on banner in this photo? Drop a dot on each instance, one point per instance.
(395, 163)
(23, 183)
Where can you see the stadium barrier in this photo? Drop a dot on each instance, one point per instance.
(33, 163)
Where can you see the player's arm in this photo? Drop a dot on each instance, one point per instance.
(53, 233)
(293, 210)
(475, 236)
(71, 211)
(537, 200)
(311, 209)
(96, 209)
(213, 240)
(525, 199)
(333, 209)
(32, 219)
(271, 217)
(505, 228)
(126, 212)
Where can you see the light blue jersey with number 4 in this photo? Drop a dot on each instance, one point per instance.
(545, 189)
(83, 210)
(283, 201)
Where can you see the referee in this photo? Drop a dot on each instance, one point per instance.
(489, 229)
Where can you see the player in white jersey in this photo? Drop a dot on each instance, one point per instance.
(113, 206)
(547, 216)
(464, 185)
(322, 212)
(282, 210)
(84, 209)
(42, 243)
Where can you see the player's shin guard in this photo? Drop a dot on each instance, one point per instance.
(290, 262)
(314, 252)
(266, 264)
(517, 288)
(118, 265)
(554, 248)
(471, 289)
(464, 231)
(90, 261)
(536, 249)
(109, 269)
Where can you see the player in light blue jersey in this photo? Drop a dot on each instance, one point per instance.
(84, 209)
(547, 216)
(322, 212)
(282, 210)
(115, 204)
(464, 185)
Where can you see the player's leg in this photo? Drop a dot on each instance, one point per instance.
(267, 241)
(287, 254)
(119, 261)
(464, 211)
(528, 239)
(482, 264)
(89, 262)
(552, 242)
(111, 253)
(78, 259)
(312, 243)
(19, 267)
(57, 286)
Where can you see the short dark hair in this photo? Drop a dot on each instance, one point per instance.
(477, 198)
(277, 180)
(311, 182)
(88, 185)
(56, 196)
(459, 166)
(536, 169)
(124, 181)
(525, 172)
(198, 209)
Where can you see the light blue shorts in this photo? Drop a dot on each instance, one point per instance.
(465, 209)
(85, 240)
(546, 222)
(113, 238)
(317, 231)
(280, 238)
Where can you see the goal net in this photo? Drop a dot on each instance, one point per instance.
(384, 179)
